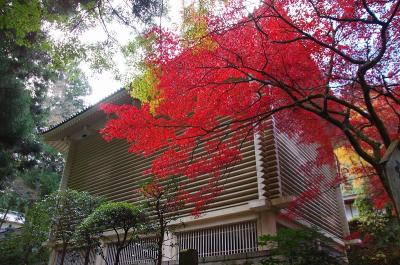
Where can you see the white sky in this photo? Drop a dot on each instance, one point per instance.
(105, 83)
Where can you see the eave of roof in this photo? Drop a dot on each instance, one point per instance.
(51, 128)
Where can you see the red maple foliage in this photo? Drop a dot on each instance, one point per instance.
(327, 70)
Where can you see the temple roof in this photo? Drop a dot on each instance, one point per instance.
(82, 123)
(104, 100)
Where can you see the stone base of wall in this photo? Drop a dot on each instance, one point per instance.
(236, 259)
(253, 258)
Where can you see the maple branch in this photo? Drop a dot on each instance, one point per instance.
(86, 12)
(346, 130)
(310, 100)
(395, 9)
(350, 20)
(280, 84)
(389, 93)
(370, 12)
(361, 73)
(394, 111)
(312, 38)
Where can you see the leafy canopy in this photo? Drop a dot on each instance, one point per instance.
(115, 215)
(327, 71)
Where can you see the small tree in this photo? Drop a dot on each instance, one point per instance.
(67, 209)
(115, 216)
(25, 245)
(164, 199)
(9, 200)
(87, 237)
(34, 233)
(296, 247)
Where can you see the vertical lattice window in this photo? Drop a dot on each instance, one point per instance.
(143, 251)
(75, 258)
(222, 240)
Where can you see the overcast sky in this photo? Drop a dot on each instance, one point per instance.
(103, 84)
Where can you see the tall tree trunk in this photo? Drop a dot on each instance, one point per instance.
(116, 261)
(160, 244)
(160, 241)
(87, 255)
(385, 182)
(63, 253)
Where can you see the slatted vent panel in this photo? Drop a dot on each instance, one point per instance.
(222, 240)
(143, 251)
(107, 169)
(295, 180)
(75, 258)
(270, 162)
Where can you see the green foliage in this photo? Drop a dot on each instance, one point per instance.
(44, 182)
(296, 247)
(6, 168)
(67, 209)
(20, 18)
(68, 91)
(9, 199)
(146, 10)
(34, 233)
(379, 231)
(111, 216)
(60, 211)
(26, 78)
(195, 26)
(31, 61)
(15, 118)
(10, 250)
(115, 215)
(25, 245)
(143, 85)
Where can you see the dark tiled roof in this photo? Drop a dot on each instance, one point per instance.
(80, 112)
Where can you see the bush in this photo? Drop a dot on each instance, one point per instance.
(379, 232)
(297, 247)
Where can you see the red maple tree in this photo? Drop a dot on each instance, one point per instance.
(318, 66)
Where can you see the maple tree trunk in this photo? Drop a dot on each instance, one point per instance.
(159, 246)
(384, 179)
(160, 241)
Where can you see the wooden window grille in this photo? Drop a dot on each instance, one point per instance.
(142, 251)
(75, 258)
(221, 240)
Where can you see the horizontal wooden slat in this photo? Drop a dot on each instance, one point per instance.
(109, 170)
(296, 179)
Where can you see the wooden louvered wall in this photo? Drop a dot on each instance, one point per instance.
(107, 169)
(270, 162)
(322, 211)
